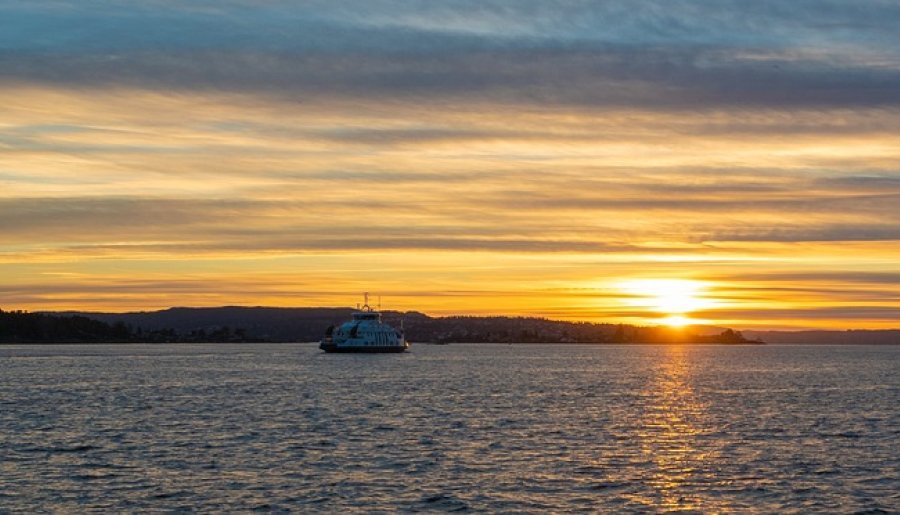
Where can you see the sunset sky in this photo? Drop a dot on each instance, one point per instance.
(715, 161)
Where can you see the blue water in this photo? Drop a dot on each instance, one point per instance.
(459, 427)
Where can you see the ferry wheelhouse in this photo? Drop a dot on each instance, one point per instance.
(364, 333)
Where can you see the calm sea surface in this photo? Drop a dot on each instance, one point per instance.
(458, 427)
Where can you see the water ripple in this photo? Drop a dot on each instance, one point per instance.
(285, 428)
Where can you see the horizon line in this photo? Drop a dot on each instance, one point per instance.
(711, 325)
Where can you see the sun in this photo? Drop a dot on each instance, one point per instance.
(674, 299)
(677, 321)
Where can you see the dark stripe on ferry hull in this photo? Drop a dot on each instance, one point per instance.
(364, 349)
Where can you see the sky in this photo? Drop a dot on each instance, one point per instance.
(710, 161)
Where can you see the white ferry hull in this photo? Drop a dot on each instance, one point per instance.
(333, 347)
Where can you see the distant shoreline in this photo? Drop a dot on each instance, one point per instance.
(414, 344)
(236, 324)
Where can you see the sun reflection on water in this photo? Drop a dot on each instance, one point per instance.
(671, 439)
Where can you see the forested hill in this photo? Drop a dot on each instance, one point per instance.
(239, 324)
(23, 327)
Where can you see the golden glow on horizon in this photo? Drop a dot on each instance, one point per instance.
(677, 321)
(119, 200)
(675, 299)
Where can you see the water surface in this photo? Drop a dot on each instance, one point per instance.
(456, 427)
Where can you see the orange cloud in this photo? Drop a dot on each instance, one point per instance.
(130, 199)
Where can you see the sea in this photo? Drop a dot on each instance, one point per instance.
(286, 428)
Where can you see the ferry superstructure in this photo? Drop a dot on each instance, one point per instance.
(364, 333)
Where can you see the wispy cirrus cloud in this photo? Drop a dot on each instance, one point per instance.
(663, 54)
(609, 77)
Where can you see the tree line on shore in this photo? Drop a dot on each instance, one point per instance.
(466, 329)
(268, 325)
(24, 327)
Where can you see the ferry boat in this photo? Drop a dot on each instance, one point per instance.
(365, 333)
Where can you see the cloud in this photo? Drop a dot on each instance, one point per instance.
(179, 226)
(600, 78)
(819, 313)
(831, 276)
(667, 55)
(789, 232)
(723, 198)
(873, 181)
(765, 23)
